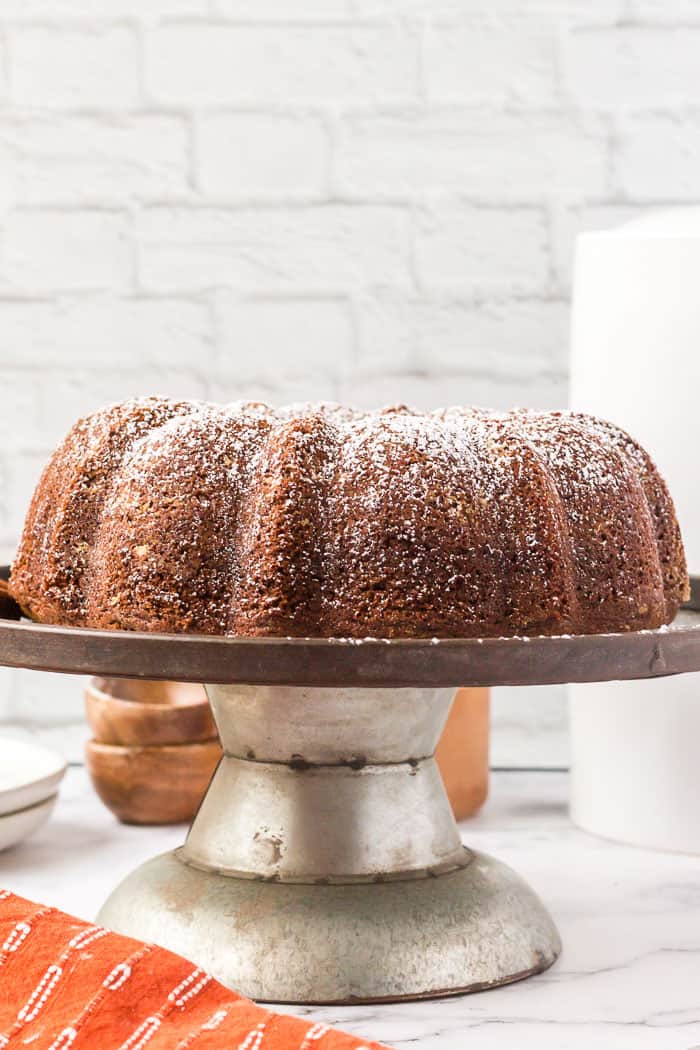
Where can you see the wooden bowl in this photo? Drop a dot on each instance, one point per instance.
(142, 713)
(152, 785)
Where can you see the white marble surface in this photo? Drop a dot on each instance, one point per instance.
(629, 978)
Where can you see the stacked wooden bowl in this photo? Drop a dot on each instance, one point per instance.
(155, 748)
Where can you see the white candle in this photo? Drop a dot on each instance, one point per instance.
(636, 361)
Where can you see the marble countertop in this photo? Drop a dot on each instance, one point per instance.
(629, 976)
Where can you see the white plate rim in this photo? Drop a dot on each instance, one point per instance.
(30, 790)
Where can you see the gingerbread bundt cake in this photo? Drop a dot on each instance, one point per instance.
(170, 516)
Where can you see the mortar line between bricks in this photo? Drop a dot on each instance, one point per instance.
(346, 109)
(422, 70)
(73, 23)
(193, 148)
(344, 22)
(400, 110)
(643, 22)
(140, 46)
(321, 202)
(107, 297)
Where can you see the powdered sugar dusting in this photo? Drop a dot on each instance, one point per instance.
(321, 520)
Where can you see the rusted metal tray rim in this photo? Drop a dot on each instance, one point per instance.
(368, 662)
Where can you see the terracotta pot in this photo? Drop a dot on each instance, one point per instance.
(463, 752)
(139, 712)
(152, 785)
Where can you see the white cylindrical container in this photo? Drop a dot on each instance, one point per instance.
(636, 361)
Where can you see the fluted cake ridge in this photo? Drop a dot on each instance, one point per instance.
(243, 519)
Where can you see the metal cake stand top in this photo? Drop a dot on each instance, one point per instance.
(371, 662)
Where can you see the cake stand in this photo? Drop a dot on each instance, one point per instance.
(324, 864)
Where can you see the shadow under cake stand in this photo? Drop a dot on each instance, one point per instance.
(324, 864)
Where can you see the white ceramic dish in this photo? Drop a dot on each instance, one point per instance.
(29, 774)
(15, 827)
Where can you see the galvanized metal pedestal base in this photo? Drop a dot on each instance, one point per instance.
(325, 865)
(478, 927)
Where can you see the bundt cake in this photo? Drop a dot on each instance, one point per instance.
(160, 515)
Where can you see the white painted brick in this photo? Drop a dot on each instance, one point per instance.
(435, 391)
(495, 155)
(275, 390)
(6, 542)
(57, 67)
(30, 10)
(120, 332)
(71, 160)
(669, 11)
(269, 249)
(482, 248)
(20, 418)
(506, 340)
(638, 66)
(490, 60)
(303, 9)
(21, 474)
(221, 64)
(259, 154)
(81, 391)
(3, 70)
(607, 11)
(7, 184)
(66, 394)
(280, 340)
(568, 222)
(44, 250)
(657, 158)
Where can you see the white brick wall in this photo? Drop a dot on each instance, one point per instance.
(53, 251)
(367, 200)
(254, 155)
(222, 64)
(66, 160)
(280, 248)
(69, 68)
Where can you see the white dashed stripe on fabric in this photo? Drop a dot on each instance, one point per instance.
(187, 989)
(43, 991)
(213, 1023)
(41, 994)
(254, 1039)
(21, 931)
(114, 980)
(85, 937)
(17, 937)
(143, 1034)
(316, 1032)
(215, 1020)
(66, 1038)
(118, 977)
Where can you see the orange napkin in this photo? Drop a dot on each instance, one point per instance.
(68, 985)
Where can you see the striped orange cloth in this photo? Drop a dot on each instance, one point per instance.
(66, 984)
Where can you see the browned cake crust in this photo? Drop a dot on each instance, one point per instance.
(169, 516)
